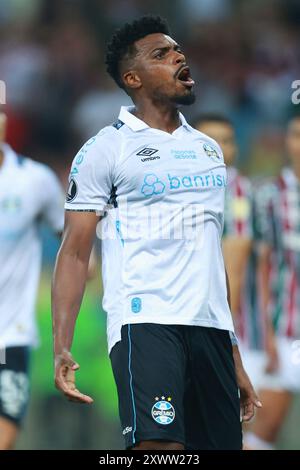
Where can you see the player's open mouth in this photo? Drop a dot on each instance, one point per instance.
(184, 76)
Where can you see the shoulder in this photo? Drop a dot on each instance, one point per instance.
(245, 183)
(106, 142)
(266, 191)
(34, 169)
(40, 178)
(238, 185)
(110, 135)
(286, 179)
(209, 144)
(203, 137)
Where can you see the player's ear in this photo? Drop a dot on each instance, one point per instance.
(132, 80)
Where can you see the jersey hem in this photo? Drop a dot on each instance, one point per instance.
(84, 208)
(166, 321)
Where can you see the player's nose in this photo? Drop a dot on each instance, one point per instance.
(179, 58)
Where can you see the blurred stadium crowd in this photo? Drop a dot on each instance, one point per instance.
(244, 57)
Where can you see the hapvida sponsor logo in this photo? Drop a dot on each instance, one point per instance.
(184, 154)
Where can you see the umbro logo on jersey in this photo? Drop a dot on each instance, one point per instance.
(147, 152)
(148, 155)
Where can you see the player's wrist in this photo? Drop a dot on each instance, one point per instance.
(61, 351)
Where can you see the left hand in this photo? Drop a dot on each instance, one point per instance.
(248, 398)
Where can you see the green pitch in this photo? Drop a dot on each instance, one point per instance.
(89, 349)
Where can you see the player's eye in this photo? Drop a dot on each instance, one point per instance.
(159, 55)
(179, 50)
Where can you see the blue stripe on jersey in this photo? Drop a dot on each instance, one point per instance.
(131, 386)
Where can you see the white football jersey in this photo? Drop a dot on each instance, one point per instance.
(164, 199)
(29, 193)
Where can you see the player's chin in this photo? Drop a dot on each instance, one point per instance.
(186, 98)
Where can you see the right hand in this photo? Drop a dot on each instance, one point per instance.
(65, 368)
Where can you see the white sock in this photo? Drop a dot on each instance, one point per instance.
(254, 442)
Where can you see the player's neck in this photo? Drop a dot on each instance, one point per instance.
(161, 116)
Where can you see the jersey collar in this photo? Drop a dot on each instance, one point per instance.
(137, 124)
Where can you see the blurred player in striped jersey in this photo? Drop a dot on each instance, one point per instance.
(238, 222)
(239, 249)
(29, 193)
(278, 215)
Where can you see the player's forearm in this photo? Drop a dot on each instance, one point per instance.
(228, 289)
(263, 273)
(236, 252)
(235, 290)
(237, 358)
(67, 292)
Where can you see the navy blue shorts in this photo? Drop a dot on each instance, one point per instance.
(177, 383)
(14, 384)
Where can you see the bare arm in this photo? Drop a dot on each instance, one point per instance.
(236, 252)
(248, 397)
(263, 272)
(68, 286)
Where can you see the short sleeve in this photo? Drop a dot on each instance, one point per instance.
(52, 210)
(91, 176)
(233, 338)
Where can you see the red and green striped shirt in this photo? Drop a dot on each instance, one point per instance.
(239, 222)
(278, 205)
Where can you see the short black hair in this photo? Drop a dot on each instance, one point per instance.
(212, 117)
(121, 44)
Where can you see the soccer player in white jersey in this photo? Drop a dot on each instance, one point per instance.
(29, 193)
(169, 323)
